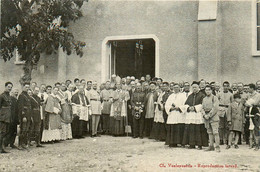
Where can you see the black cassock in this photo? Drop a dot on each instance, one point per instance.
(195, 134)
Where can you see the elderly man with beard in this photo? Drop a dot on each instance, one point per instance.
(195, 132)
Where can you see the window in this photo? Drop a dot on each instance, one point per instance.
(207, 10)
(256, 27)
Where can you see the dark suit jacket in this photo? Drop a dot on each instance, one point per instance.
(5, 107)
(36, 104)
(14, 111)
(24, 105)
(255, 119)
(75, 99)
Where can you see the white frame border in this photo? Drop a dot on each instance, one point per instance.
(105, 61)
(254, 30)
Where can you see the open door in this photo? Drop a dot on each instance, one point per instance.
(135, 57)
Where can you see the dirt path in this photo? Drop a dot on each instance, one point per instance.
(108, 153)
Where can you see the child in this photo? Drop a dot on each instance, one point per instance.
(235, 118)
(254, 123)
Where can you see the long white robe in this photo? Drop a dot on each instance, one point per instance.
(176, 117)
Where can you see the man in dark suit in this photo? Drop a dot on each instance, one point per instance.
(36, 117)
(5, 114)
(14, 120)
(25, 115)
(129, 109)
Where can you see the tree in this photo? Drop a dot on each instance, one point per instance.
(33, 27)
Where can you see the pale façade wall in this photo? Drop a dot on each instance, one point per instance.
(174, 23)
(188, 49)
(237, 62)
(46, 71)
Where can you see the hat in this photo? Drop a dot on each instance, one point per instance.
(118, 80)
(195, 82)
(152, 83)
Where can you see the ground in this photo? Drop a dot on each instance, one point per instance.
(109, 153)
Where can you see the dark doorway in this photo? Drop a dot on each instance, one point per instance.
(133, 57)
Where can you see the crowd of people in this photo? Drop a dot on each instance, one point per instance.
(192, 115)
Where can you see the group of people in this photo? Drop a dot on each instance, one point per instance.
(195, 115)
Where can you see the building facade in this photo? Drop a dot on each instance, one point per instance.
(175, 40)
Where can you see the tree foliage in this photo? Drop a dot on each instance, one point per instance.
(32, 27)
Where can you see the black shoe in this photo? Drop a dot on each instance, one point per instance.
(39, 146)
(173, 145)
(141, 137)
(236, 147)
(134, 137)
(221, 142)
(24, 147)
(19, 148)
(191, 147)
(228, 147)
(199, 148)
(217, 149)
(210, 148)
(3, 151)
(13, 146)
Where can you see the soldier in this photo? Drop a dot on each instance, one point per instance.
(105, 98)
(137, 102)
(95, 103)
(14, 120)
(25, 115)
(5, 114)
(210, 106)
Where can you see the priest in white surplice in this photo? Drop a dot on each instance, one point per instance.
(176, 111)
(195, 133)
